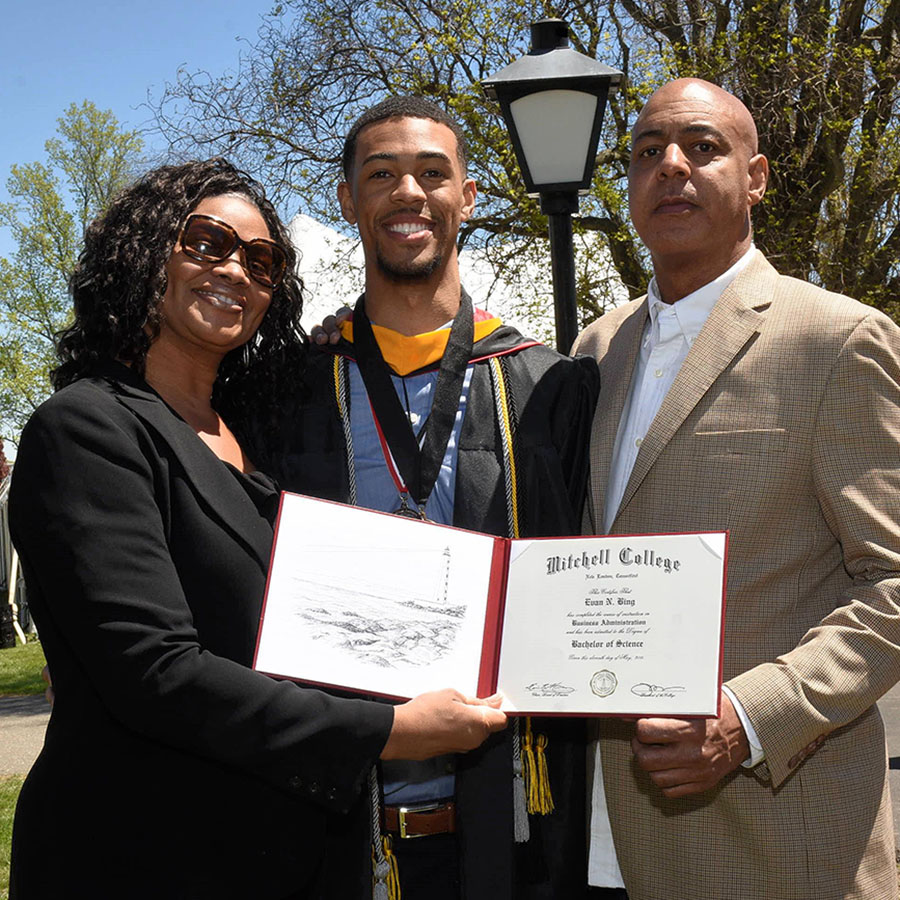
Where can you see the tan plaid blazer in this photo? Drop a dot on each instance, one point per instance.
(783, 426)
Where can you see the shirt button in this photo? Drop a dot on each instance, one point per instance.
(658, 373)
(638, 442)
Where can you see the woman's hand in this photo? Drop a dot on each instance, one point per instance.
(442, 722)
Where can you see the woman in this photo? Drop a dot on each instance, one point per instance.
(169, 768)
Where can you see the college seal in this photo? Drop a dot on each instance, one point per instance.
(604, 683)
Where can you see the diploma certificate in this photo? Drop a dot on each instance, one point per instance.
(609, 625)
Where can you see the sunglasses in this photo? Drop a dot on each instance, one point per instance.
(211, 240)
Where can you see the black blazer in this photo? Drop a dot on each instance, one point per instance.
(170, 769)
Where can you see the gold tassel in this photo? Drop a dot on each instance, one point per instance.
(394, 877)
(534, 770)
(546, 797)
(529, 769)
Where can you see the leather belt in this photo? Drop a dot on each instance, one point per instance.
(419, 821)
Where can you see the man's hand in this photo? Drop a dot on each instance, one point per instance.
(329, 332)
(48, 694)
(689, 756)
(441, 722)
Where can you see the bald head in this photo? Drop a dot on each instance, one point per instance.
(695, 173)
(703, 93)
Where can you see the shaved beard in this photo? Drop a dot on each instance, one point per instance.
(410, 273)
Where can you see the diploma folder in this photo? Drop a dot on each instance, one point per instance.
(368, 602)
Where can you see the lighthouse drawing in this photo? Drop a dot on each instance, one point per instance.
(401, 621)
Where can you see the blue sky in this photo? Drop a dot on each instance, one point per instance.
(111, 53)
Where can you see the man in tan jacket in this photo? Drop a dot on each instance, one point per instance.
(735, 398)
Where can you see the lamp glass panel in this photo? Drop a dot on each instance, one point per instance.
(555, 132)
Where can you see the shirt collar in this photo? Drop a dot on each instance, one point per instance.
(406, 353)
(693, 310)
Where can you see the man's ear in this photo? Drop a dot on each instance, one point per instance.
(469, 193)
(345, 197)
(758, 169)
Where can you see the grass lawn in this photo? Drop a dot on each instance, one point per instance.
(9, 791)
(20, 671)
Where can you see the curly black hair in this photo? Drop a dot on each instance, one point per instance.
(120, 280)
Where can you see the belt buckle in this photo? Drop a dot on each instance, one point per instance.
(401, 816)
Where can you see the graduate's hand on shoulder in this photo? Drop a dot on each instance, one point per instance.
(329, 332)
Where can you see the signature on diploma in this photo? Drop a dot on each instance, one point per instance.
(548, 689)
(655, 690)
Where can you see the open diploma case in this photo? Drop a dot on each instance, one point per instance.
(626, 625)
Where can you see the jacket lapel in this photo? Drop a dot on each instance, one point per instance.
(206, 473)
(616, 368)
(736, 317)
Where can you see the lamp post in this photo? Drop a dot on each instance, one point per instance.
(553, 100)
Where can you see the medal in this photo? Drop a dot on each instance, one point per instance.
(408, 512)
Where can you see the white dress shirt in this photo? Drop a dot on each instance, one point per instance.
(668, 336)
